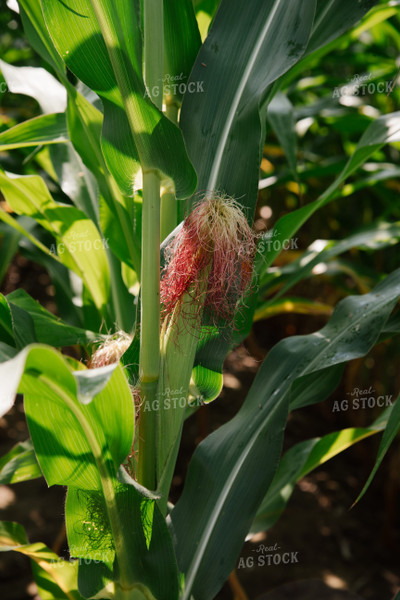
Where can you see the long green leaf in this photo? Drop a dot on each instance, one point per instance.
(232, 469)
(48, 328)
(61, 445)
(84, 126)
(80, 245)
(315, 387)
(390, 433)
(46, 129)
(181, 45)
(59, 449)
(38, 35)
(83, 445)
(334, 17)
(101, 43)
(249, 46)
(298, 462)
(302, 306)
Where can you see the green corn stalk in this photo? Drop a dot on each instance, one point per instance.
(150, 291)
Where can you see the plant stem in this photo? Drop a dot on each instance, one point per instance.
(150, 290)
(108, 19)
(147, 454)
(149, 362)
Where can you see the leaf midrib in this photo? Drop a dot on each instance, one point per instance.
(233, 476)
(212, 180)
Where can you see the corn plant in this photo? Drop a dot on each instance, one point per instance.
(151, 140)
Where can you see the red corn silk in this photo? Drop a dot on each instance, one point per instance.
(213, 255)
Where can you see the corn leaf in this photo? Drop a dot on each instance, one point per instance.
(84, 126)
(19, 464)
(112, 67)
(389, 434)
(46, 129)
(232, 469)
(54, 415)
(181, 44)
(281, 118)
(38, 35)
(80, 246)
(248, 47)
(300, 460)
(48, 328)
